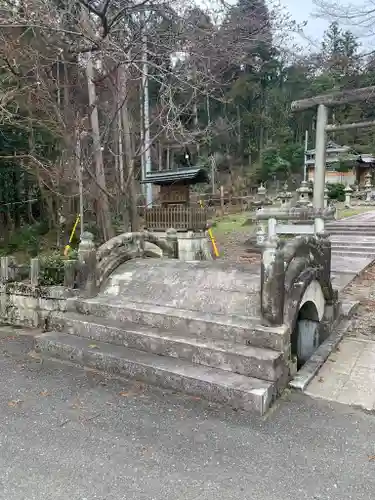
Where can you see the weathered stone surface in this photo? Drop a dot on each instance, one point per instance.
(216, 288)
(245, 330)
(215, 385)
(246, 360)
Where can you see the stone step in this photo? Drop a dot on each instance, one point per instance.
(215, 385)
(349, 240)
(365, 230)
(251, 361)
(198, 324)
(352, 253)
(366, 250)
(352, 229)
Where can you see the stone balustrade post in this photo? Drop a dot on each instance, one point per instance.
(272, 282)
(4, 269)
(70, 268)
(172, 240)
(326, 197)
(272, 228)
(34, 271)
(87, 264)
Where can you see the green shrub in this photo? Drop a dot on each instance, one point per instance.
(336, 192)
(51, 269)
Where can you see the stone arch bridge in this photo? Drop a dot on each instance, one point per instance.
(232, 333)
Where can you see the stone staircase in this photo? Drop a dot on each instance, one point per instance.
(353, 247)
(188, 326)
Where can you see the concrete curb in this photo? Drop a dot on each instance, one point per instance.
(311, 367)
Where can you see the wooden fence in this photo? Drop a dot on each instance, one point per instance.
(180, 218)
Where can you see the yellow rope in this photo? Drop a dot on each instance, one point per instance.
(67, 247)
(213, 242)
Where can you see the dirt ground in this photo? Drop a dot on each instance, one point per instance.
(230, 235)
(363, 290)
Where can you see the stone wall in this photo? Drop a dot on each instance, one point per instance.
(23, 304)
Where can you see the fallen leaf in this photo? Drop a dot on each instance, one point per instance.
(320, 379)
(371, 458)
(14, 403)
(124, 394)
(44, 393)
(93, 346)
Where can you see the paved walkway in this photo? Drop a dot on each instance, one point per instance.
(348, 376)
(67, 434)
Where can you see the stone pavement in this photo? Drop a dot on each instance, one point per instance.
(73, 435)
(348, 376)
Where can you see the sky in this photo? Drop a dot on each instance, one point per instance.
(303, 10)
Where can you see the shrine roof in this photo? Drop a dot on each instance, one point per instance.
(367, 159)
(180, 176)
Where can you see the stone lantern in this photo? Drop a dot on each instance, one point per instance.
(262, 191)
(303, 193)
(285, 197)
(348, 192)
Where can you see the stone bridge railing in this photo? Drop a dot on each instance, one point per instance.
(98, 263)
(287, 269)
(292, 221)
(27, 298)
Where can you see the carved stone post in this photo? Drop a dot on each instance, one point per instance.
(326, 197)
(87, 264)
(4, 263)
(34, 271)
(348, 191)
(272, 284)
(70, 267)
(172, 240)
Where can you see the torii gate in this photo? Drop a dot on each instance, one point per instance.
(322, 103)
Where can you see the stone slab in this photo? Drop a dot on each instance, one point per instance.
(216, 287)
(198, 324)
(348, 376)
(215, 385)
(250, 361)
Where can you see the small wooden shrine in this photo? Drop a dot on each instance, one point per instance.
(174, 208)
(365, 164)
